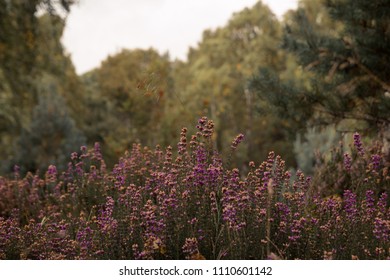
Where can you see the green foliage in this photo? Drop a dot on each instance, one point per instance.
(30, 47)
(214, 82)
(51, 136)
(127, 96)
(312, 145)
(349, 66)
(320, 70)
(20, 33)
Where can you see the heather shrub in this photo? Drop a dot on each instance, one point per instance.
(358, 168)
(186, 203)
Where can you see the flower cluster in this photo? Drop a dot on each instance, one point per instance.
(358, 143)
(185, 204)
(239, 138)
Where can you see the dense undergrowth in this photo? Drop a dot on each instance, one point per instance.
(187, 203)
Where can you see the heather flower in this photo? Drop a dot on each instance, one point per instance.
(136, 252)
(74, 156)
(194, 142)
(119, 172)
(97, 154)
(51, 174)
(301, 183)
(350, 205)
(190, 249)
(182, 145)
(296, 228)
(9, 238)
(150, 201)
(202, 121)
(347, 162)
(369, 203)
(214, 174)
(169, 204)
(330, 205)
(79, 168)
(234, 201)
(382, 229)
(270, 161)
(83, 149)
(283, 212)
(358, 143)
(237, 141)
(152, 224)
(152, 246)
(200, 169)
(382, 202)
(84, 238)
(279, 170)
(375, 161)
(205, 127)
(168, 156)
(213, 202)
(106, 222)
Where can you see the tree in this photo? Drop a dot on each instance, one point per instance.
(214, 81)
(52, 134)
(130, 89)
(30, 33)
(349, 69)
(19, 33)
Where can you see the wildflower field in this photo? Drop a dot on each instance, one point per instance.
(187, 203)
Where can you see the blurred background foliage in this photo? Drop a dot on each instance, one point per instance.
(295, 86)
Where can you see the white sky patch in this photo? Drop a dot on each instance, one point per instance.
(98, 28)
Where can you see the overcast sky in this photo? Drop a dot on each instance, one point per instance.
(97, 28)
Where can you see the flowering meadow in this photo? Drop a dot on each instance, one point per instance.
(188, 203)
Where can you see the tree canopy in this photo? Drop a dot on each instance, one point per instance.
(323, 65)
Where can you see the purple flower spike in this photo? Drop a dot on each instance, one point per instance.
(357, 141)
(237, 141)
(376, 161)
(347, 162)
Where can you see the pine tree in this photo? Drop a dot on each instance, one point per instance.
(350, 69)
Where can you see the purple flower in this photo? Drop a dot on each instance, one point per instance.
(358, 143)
(205, 127)
(347, 162)
(237, 141)
(51, 174)
(106, 222)
(182, 145)
(74, 156)
(52, 170)
(382, 204)
(375, 161)
(284, 212)
(190, 248)
(84, 238)
(369, 202)
(350, 205)
(152, 224)
(381, 229)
